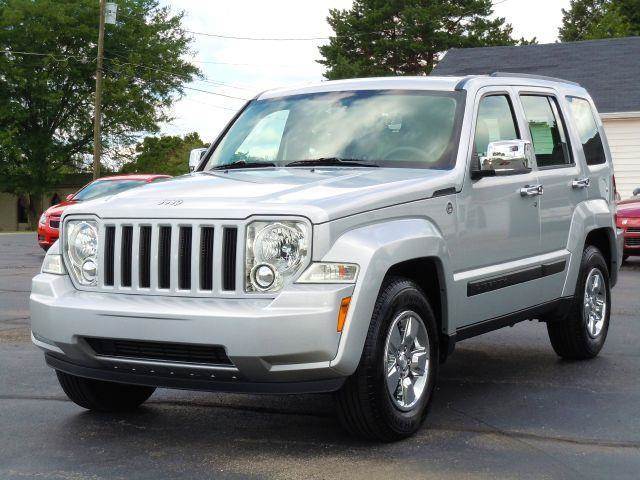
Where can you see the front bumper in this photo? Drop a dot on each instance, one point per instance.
(47, 236)
(287, 340)
(631, 233)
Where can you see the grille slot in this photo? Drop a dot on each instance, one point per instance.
(173, 257)
(164, 257)
(109, 246)
(633, 229)
(206, 258)
(184, 258)
(125, 255)
(229, 250)
(160, 351)
(54, 222)
(633, 242)
(145, 257)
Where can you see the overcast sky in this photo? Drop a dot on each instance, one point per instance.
(247, 67)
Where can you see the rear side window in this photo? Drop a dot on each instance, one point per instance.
(588, 130)
(548, 132)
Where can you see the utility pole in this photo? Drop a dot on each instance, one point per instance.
(97, 147)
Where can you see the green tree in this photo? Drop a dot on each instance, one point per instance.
(165, 154)
(594, 19)
(406, 37)
(46, 97)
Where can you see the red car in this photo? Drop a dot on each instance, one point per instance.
(629, 221)
(49, 223)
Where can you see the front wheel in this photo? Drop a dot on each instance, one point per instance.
(582, 334)
(103, 396)
(388, 396)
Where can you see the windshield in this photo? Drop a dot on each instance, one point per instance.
(413, 129)
(100, 188)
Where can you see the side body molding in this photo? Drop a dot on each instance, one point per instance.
(376, 248)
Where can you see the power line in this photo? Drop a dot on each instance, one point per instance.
(295, 38)
(261, 39)
(216, 93)
(178, 74)
(49, 55)
(108, 69)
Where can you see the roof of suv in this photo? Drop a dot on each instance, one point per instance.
(443, 83)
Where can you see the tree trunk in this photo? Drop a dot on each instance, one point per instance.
(35, 210)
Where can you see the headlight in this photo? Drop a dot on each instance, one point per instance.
(43, 218)
(275, 253)
(82, 250)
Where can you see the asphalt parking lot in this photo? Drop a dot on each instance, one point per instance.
(506, 407)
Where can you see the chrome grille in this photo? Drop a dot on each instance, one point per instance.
(171, 257)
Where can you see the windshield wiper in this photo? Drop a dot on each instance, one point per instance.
(243, 164)
(332, 161)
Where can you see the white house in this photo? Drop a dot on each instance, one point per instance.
(609, 69)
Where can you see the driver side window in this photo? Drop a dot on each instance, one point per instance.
(496, 121)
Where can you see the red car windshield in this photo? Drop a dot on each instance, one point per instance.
(100, 188)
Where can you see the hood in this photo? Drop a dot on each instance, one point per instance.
(320, 194)
(629, 208)
(59, 207)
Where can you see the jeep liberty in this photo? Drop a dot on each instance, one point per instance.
(342, 237)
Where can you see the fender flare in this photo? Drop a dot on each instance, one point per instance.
(587, 217)
(376, 248)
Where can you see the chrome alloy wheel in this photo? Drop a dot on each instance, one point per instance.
(406, 357)
(595, 302)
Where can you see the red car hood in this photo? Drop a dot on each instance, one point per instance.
(57, 210)
(629, 208)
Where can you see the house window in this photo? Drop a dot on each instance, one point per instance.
(588, 130)
(548, 132)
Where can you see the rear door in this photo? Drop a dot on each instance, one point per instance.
(563, 179)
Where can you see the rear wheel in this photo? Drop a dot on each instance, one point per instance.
(103, 396)
(583, 333)
(388, 396)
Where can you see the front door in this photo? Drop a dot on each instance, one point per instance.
(499, 235)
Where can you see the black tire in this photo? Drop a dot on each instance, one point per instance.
(103, 396)
(364, 405)
(569, 337)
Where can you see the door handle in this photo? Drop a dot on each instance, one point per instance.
(531, 190)
(581, 183)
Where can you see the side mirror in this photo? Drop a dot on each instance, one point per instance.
(504, 157)
(69, 197)
(194, 158)
(636, 192)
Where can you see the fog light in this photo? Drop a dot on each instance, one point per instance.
(264, 276)
(89, 270)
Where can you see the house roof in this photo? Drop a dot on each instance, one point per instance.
(609, 69)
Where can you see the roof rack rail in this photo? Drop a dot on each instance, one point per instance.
(529, 75)
(460, 85)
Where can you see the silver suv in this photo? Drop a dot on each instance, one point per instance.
(342, 237)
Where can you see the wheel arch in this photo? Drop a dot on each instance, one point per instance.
(592, 224)
(401, 246)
